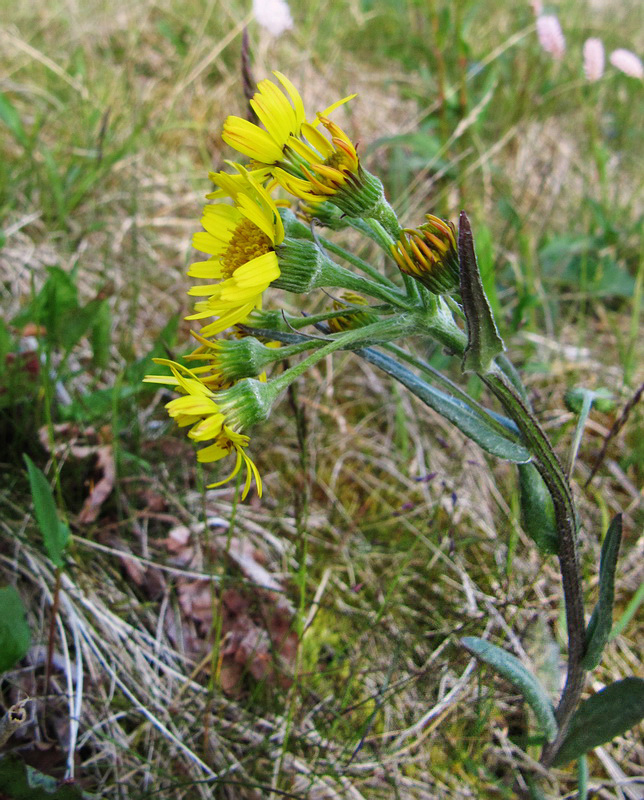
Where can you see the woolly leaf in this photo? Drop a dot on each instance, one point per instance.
(510, 668)
(602, 717)
(601, 620)
(484, 342)
(537, 510)
(466, 419)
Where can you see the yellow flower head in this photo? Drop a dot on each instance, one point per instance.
(241, 241)
(210, 421)
(429, 254)
(281, 112)
(328, 165)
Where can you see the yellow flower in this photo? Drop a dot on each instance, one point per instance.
(210, 420)
(327, 165)
(281, 112)
(241, 241)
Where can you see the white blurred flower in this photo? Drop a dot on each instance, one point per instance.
(593, 59)
(628, 63)
(550, 36)
(274, 15)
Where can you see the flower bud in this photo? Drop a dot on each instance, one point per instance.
(357, 319)
(303, 266)
(429, 254)
(325, 214)
(229, 360)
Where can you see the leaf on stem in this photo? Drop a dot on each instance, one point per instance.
(509, 667)
(466, 419)
(602, 717)
(484, 343)
(55, 532)
(601, 620)
(20, 780)
(15, 636)
(537, 510)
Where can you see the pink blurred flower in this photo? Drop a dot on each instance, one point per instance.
(537, 7)
(628, 63)
(550, 36)
(593, 59)
(274, 15)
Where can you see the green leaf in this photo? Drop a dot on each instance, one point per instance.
(11, 119)
(466, 419)
(19, 781)
(601, 620)
(55, 533)
(602, 399)
(513, 671)
(5, 346)
(601, 718)
(15, 636)
(537, 510)
(484, 343)
(101, 335)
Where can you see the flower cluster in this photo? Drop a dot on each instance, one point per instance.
(253, 241)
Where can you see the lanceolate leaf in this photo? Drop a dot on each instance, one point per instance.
(15, 636)
(513, 671)
(20, 781)
(466, 419)
(55, 532)
(601, 621)
(484, 343)
(537, 510)
(602, 717)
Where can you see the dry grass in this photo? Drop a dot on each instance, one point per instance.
(389, 533)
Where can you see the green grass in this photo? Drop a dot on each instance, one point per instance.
(390, 535)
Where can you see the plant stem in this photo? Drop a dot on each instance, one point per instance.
(375, 333)
(552, 473)
(52, 631)
(369, 269)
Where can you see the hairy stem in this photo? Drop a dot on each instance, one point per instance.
(552, 473)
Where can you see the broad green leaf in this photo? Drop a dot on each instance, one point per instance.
(601, 620)
(602, 717)
(484, 342)
(509, 667)
(15, 636)
(537, 510)
(22, 782)
(55, 532)
(466, 419)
